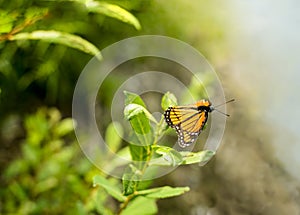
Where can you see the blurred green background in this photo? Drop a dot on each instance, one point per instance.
(253, 47)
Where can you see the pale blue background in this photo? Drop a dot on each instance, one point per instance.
(265, 46)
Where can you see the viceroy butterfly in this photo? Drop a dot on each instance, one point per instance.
(189, 120)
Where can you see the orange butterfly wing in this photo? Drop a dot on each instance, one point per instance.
(188, 122)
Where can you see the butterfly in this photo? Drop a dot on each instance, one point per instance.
(189, 120)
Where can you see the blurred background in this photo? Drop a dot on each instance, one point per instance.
(254, 48)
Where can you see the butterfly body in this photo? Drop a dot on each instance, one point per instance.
(188, 121)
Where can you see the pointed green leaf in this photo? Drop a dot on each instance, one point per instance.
(197, 157)
(132, 98)
(113, 11)
(113, 136)
(111, 188)
(163, 192)
(168, 100)
(140, 206)
(63, 38)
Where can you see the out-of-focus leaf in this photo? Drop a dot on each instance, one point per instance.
(113, 11)
(18, 190)
(31, 153)
(6, 21)
(123, 158)
(37, 128)
(64, 127)
(15, 168)
(163, 192)
(140, 206)
(98, 203)
(168, 100)
(80, 208)
(111, 188)
(113, 136)
(35, 12)
(63, 38)
(198, 87)
(45, 185)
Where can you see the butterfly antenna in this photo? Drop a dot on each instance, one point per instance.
(222, 112)
(231, 100)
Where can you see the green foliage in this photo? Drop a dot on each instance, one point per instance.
(113, 11)
(11, 29)
(198, 157)
(40, 40)
(146, 153)
(111, 188)
(113, 136)
(48, 172)
(163, 192)
(140, 205)
(57, 37)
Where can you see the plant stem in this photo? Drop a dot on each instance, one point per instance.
(145, 164)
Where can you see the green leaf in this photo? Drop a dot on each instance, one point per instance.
(35, 12)
(7, 21)
(64, 127)
(140, 206)
(15, 168)
(111, 188)
(45, 185)
(113, 136)
(80, 208)
(197, 157)
(168, 100)
(31, 153)
(139, 153)
(170, 155)
(123, 157)
(63, 38)
(139, 122)
(163, 192)
(37, 128)
(98, 201)
(113, 11)
(132, 98)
